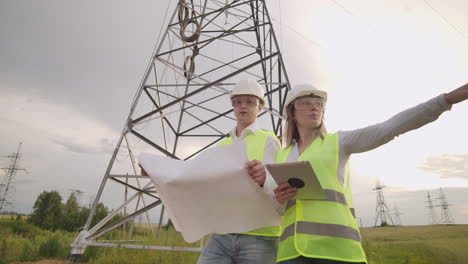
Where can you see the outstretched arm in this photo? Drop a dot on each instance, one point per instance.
(458, 95)
(371, 137)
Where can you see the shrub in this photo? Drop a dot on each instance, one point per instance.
(25, 229)
(27, 253)
(3, 249)
(92, 253)
(50, 248)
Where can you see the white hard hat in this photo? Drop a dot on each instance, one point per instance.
(304, 90)
(248, 87)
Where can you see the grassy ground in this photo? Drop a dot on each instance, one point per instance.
(384, 245)
(13, 217)
(123, 255)
(20, 241)
(416, 244)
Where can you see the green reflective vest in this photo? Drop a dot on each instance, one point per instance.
(255, 149)
(324, 229)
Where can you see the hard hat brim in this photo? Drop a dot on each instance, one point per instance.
(262, 101)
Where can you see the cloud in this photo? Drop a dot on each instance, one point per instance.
(447, 166)
(59, 123)
(103, 145)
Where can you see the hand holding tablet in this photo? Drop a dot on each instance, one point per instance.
(299, 175)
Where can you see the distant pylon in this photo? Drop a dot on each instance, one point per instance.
(7, 185)
(382, 213)
(396, 214)
(432, 216)
(446, 217)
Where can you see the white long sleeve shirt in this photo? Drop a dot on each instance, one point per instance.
(269, 156)
(368, 138)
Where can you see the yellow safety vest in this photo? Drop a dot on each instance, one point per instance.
(255, 149)
(324, 229)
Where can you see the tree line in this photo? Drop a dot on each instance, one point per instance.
(51, 214)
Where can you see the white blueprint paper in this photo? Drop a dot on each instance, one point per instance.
(211, 193)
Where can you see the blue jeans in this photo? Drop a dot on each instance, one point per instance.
(304, 260)
(239, 249)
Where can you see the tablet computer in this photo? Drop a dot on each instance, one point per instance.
(298, 174)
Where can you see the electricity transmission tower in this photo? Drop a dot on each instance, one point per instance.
(432, 216)
(446, 217)
(396, 214)
(7, 185)
(382, 213)
(182, 105)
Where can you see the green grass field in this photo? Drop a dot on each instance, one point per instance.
(416, 244)
(383, 245)
(20, 241)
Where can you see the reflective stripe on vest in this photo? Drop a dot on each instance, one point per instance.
(321, 229)
(332, 196)
(255, 150)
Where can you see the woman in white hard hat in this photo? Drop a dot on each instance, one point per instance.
(325, 231)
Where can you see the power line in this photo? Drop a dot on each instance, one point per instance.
(295, 31)
(355, 16)
(445, 19)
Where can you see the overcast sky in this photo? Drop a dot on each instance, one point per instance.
(69, 71)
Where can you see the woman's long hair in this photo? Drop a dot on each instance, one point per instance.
(291, 133)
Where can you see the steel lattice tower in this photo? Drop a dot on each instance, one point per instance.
(446, 217)
(396, 214)
(182, 106)
(382, 213)
(432, 217)
(7, 185)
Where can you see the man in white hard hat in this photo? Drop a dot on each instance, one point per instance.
(260, 245)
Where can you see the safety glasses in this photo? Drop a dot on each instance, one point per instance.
(308, 103)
